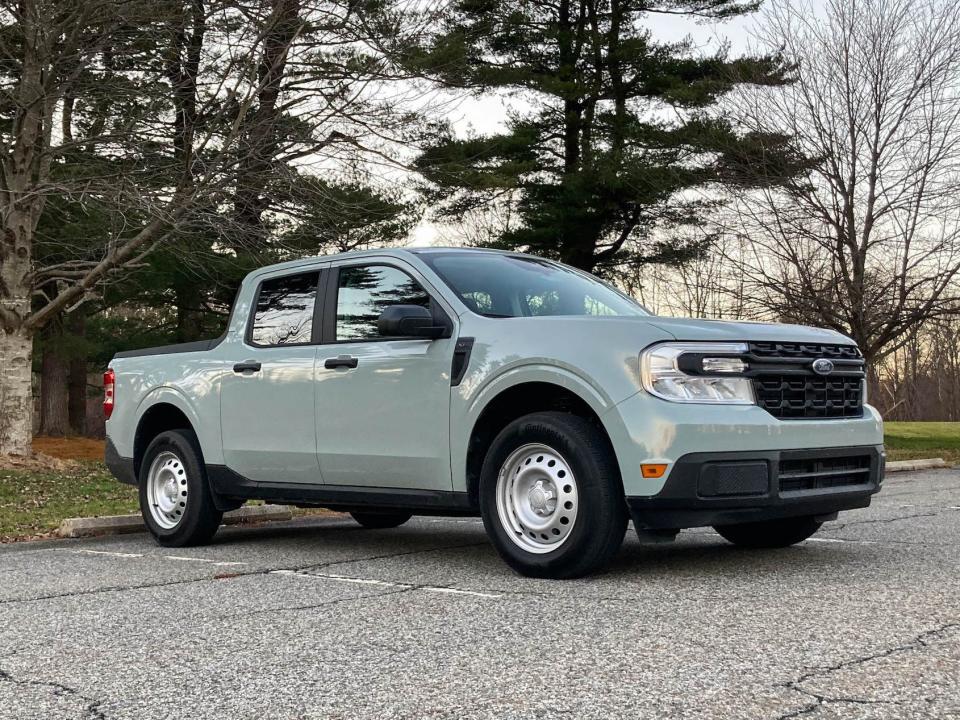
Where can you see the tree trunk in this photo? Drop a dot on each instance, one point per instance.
(16, 393)
(77, 378)
(53, 383)
(22, 168)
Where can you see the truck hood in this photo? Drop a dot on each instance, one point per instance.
(725, 330)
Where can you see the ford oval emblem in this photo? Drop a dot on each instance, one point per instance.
(822, 366)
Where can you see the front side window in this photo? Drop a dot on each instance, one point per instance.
(501, 285)
(365, 291)
(284, 314)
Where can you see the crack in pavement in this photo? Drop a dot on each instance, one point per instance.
(92, 708)
(920, 642)
(238, 574)
(331, 563)
(314, 606)
(97, 591)
(841, 526)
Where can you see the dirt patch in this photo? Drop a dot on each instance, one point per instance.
(69, 448)
(38, 462)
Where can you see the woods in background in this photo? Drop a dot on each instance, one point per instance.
(155, 152)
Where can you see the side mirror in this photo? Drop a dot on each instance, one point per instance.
(409, 321)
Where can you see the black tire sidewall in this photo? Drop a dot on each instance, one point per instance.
(601, 512)
(200, 519)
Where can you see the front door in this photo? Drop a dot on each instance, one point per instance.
(382, 404)
(267, 401)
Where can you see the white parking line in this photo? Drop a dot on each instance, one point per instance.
(339, 578)
(831, 540)
(183, 558)
(382, 583)
(455, 591)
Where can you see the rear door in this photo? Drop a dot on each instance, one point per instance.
(267, 401)
(383, 404)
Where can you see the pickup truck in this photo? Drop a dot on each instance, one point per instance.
(445, 381)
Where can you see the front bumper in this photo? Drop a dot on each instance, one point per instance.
(725, 488)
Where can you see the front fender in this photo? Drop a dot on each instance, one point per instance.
(468, 403)
(566, 377)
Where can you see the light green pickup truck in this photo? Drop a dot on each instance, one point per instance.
(436, 381)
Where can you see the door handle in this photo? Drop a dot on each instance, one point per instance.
(343, 361)
(246, 367)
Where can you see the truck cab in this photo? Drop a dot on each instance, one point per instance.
(446, 381)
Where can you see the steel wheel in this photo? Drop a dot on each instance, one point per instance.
(167, 489)
(537, 498)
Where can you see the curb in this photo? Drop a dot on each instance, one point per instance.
(925, 464)
(120, 524)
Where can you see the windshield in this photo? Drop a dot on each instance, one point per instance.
(498, 285)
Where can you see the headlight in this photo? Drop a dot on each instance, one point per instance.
(711, 378)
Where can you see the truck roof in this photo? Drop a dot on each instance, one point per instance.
(375, 252)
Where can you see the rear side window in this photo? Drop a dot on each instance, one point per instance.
(284, 313)
(365, 291)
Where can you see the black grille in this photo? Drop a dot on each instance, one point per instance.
(787, 387)
(810, 397)
(823, 473)
(804, 351)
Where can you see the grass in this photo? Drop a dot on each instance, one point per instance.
(912, 440)
(33, 502)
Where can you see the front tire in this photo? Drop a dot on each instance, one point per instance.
(769, 534)
(381, 520)
(175, 498)
(551, 497)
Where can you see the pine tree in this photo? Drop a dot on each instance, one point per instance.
(618, 133)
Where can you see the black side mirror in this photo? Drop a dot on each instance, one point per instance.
(409, 321)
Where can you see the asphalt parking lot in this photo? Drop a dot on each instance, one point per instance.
(319, 619)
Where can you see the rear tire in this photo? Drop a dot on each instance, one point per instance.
(769, 534)
(551, 497)
(175, 498)
(381, 520)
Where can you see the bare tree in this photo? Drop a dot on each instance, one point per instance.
(190, 131)
(868, 240)
(921, 380)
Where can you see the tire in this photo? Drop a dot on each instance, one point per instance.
(551, 497)
(176, 503)
(373, 520)
(770, 534)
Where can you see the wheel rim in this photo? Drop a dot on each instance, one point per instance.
(537, 498)
(167, 490)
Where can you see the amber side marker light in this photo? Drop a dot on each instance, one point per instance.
(652, 471)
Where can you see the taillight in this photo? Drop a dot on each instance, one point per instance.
(109, 381)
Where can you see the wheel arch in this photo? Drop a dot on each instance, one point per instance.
(160, 412)
(519, 398)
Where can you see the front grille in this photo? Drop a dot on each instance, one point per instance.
(809, 397)
(810, 351)
(787, 387)
(823, 473)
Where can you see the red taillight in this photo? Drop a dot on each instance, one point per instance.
(109, 380)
